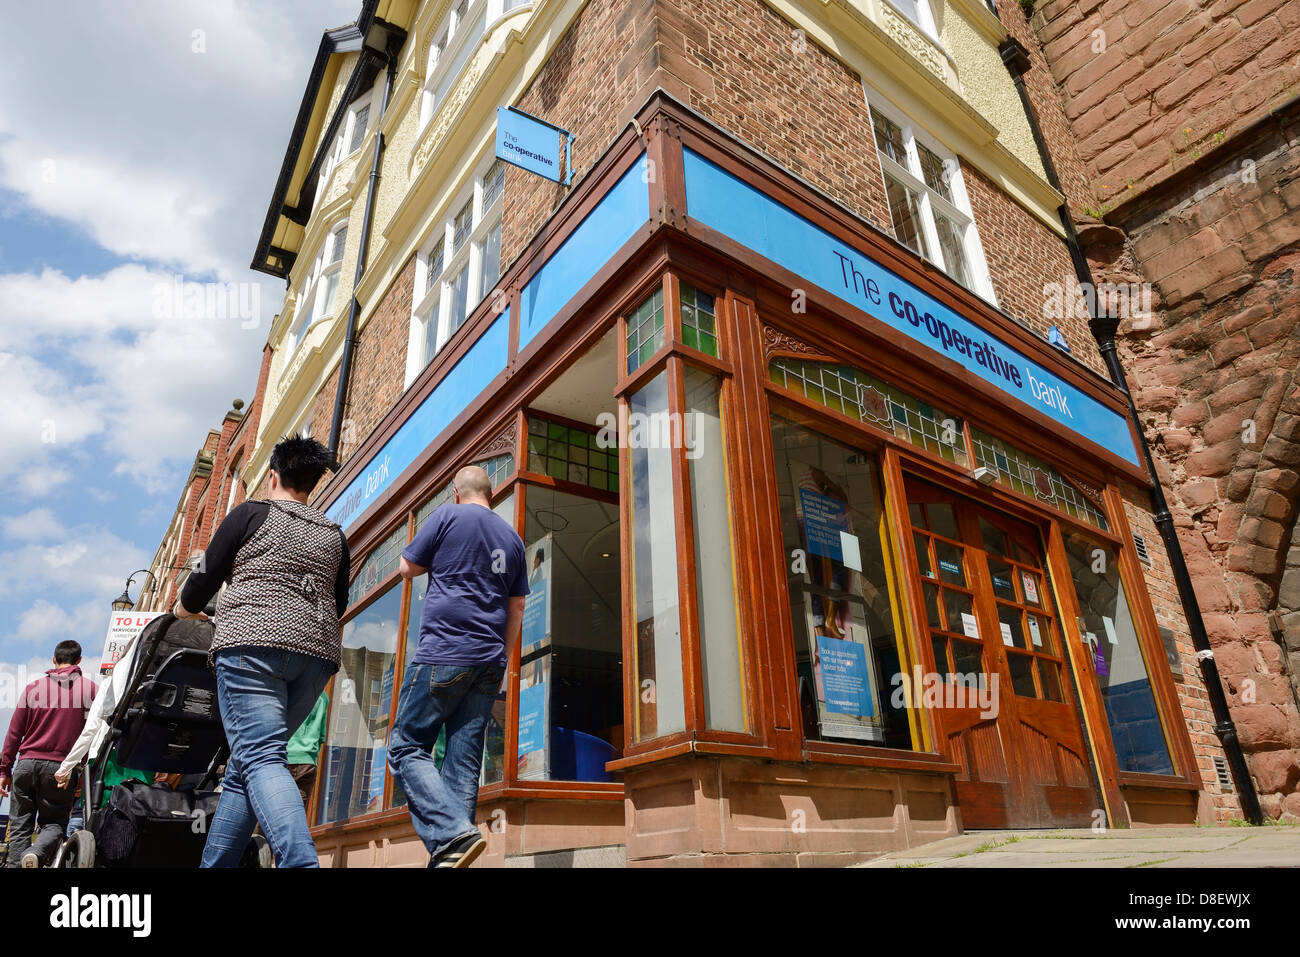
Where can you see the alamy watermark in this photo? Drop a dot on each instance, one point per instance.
(185, 299)
(1074, 300)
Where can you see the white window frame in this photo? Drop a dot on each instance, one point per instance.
(924, 19)
(446, 52)
(354, 111)
(431, 314)
(327, 265)
(958, 211)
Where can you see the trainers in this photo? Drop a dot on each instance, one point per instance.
(31, 860)
(461, 852)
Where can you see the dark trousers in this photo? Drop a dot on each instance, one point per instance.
(38, 804)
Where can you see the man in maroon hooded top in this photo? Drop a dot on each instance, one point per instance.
(45, 725)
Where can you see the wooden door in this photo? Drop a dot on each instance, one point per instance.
(1008, 708)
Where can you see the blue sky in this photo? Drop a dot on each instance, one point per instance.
(139, 144)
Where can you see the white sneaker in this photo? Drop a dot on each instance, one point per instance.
(31, 860)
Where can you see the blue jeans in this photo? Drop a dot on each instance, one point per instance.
(265, 694)
(460, 697)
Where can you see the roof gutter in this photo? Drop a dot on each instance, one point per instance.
(1104, 328)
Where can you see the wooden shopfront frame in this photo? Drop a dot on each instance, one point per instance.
(753, 311)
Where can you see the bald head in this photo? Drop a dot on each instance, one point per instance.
(473, 485)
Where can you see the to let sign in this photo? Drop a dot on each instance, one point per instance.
(532, 144)
(122, 627)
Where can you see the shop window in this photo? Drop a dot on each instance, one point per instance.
(645, 331)
(570, 718)
(848, 650)
(1028, 475)
(494, 741)
(356, 750)
(715, 585)
(1111, 638)
(379, 564)
(860, 396)
(928, 207)
(660, 706)
(699, 326)
(572, 454)
(498, 469)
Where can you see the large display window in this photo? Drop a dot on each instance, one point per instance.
(356, 749)
(570, 702)
(1118, 665)
(849, 649)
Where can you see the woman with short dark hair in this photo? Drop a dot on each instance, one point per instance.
(277, 644)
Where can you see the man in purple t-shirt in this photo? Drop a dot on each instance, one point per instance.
(473, 610)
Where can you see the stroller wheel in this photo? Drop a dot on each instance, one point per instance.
(78, 851)
(259, 853)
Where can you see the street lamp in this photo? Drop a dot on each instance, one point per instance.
(123, 601)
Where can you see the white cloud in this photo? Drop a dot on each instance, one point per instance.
(83, 565)
(38, 525)
(118, 358)
(160, 132)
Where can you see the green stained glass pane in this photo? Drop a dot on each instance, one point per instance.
(690, 337)
(709, 344)
(557, 468)
(556, 431)
(647, 350)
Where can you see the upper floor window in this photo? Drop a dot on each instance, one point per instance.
(928, 206)
(319, 294)
(454, 44)
(358, 121)
(352, 133)
(459, 266)
(919, 12)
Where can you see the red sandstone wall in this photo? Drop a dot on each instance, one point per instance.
(1174, 78)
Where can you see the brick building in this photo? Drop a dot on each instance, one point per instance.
(821, 236)
(1178, 154)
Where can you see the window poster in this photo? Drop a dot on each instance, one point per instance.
(378, 757)
(537, 606)
(843, 667)
(534, 752)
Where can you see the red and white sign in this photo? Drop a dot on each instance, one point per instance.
(122, 627)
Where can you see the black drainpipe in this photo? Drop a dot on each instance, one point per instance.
(354, 305)
(1104, 328)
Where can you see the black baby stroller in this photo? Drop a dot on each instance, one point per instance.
(167, 722)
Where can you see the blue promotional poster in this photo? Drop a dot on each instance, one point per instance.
(845, 677)
(537, 606)
(824, 518)
(379, 755)
(534, 719)
(843, 673)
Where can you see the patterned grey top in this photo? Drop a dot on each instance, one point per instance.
(281, 591)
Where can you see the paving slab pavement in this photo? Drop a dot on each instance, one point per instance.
(1268, 846)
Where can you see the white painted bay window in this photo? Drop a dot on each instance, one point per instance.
(459, 265)
(928, 204)
(318, 297)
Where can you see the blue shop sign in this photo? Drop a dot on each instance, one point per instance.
(532, 144)
(737, 210)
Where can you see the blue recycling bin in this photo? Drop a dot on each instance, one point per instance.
(578, 756)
